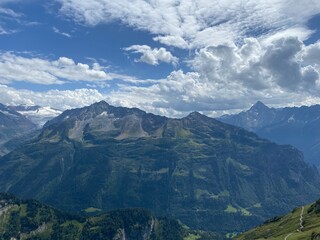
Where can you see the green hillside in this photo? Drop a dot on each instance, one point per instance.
(302, 223)
(31, 220)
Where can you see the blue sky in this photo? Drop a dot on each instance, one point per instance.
(167, 57)
(52, 35)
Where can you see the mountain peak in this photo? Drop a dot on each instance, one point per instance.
(259, 106)
(101, 103)
(196, 115)
(193, 114)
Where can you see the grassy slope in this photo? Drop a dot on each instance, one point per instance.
(288, 225)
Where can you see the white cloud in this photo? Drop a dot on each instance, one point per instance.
(300, 32)
(9, 12)
(54, 98)
(8, 15)
(224, 79)
(152, 56)
(175, 41)
(228, 72)
(56, 30)
(220, 86)
(196, 24)
(245, 51)
(229, 78)
(255, 66)
(3, 31)
(182, 93)
(311, 54)
(42, 71)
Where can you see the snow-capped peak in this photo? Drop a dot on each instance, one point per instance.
(37, 114)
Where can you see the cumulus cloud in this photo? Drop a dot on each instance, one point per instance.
(229, 78)
(311, 54)
(42, 71)
(54, 98)
(280, 60)
(244, 51)
(223, 79)
(196, 24)
(301, 33)
(152, 56)
(181, 93)
(255, 66)
(175, 96)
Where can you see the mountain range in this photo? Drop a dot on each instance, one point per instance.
(209, 175)
(297, 126)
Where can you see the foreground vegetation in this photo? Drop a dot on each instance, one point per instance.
(31, 220)
(302, 223)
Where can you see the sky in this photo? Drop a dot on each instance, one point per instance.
(168, 57)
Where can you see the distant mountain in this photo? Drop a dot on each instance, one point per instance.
(258, 116)
(12, 125)
(302, 223)
(298, 126)
(207, 174)
(29, 219)
(37, 114)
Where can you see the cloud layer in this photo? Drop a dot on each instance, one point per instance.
(238, 52)
(14, 67)
(223, 79)
(54, 98)
(194, 24)
(286, 64)
(228, 78)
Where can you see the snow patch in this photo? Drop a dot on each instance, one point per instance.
(40, 115)
(103, 114)
(291, 119)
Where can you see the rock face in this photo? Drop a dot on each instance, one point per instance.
(12, 125)
(207, 174)
(295, 126)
